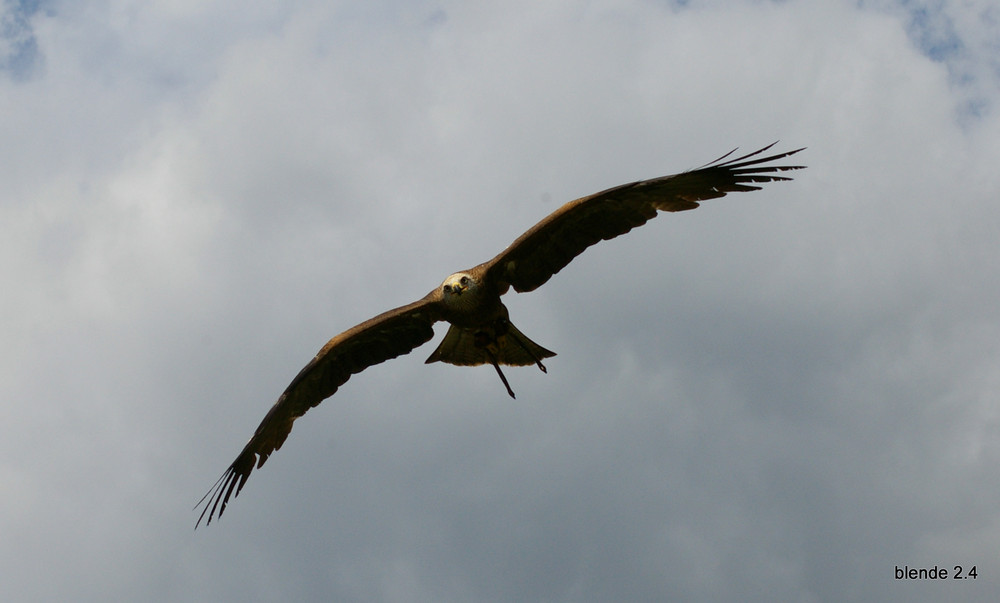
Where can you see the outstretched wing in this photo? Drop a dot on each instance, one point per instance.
(386, 336)
(552, 243)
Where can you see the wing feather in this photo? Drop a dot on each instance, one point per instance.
(386, 336)
(551, 244)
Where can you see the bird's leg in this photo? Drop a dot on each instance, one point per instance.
(493, 361)
(532, 354)
(502, 328)
(488, 342)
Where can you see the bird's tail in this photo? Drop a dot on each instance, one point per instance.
(496, 345)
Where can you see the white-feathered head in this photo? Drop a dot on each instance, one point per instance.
(460, 289)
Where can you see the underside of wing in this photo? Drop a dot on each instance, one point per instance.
(386, 336)
(551, 244)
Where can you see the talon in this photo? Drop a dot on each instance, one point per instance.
(493, 361)
(538, 361)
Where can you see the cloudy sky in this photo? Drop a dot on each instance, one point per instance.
(781, 396)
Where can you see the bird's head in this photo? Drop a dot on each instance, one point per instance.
(459, 289)
(457, 284)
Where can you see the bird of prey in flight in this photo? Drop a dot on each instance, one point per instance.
(480, 330)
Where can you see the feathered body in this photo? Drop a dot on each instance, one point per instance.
(481, 331)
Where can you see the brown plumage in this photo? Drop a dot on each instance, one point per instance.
(480, 331)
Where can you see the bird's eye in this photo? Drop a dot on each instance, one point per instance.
(447, 288)
(465, 280)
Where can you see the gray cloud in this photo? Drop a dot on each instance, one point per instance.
(780, 396)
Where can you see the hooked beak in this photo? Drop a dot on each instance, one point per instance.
(458, 289)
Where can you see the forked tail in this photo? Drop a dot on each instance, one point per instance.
(501, 343)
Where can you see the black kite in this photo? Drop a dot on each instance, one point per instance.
(480, 331)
